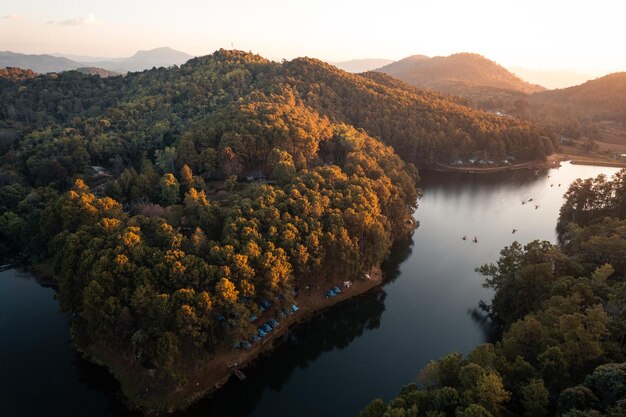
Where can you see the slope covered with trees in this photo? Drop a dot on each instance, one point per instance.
(561, 310)
(600, 99)
(140, 193)
(424, 127)
(452, 74)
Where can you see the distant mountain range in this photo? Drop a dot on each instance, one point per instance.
(159, 57)
(362, 65)
(456, 74)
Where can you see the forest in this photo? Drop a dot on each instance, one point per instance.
(561, 311)
(170, 205)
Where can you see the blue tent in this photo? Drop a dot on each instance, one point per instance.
(282, 315)
(267, 328)
(261, 332)
(253, 318)
(337, 290)
(330, 294)
(219, 317)
(255, 339)
(294, 308)
(273, 323)
(246, 345)
(265, 304)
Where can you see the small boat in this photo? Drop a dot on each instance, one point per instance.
(536, 206)
(514, 230)
(523, 202)
(464, 237)
(475, 239)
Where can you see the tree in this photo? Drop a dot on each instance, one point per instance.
(535, 398)
(186, 177)
(169, 189)
(282, 166)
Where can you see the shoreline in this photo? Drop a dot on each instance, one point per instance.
(206, 373)
(552, 161)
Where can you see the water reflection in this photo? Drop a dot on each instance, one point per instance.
(334, 329)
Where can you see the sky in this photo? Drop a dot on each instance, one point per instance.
(577, 35)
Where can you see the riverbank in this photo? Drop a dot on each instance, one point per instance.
(205, 372)
(552, 161)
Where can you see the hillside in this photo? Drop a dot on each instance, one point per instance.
(423, 126)
(97, 71)
(362, 65)
(602, 99)
(456, 73)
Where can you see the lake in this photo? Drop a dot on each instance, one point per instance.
(335, 364)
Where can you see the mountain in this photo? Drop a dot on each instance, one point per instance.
(38, 63)
(552, 78)
(362, 65)
(455, 74)
(142, 60)
(602, 98)
(97, 71)
(80, 58)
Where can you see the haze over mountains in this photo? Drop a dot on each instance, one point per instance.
(159, 57)
(552, 78)
(362, 65)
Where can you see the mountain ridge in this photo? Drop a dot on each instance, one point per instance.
(139, 61)
(444, 73)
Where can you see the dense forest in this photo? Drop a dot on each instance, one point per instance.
(144, 258)
(172, 206)
(562, 313)
(423, 127)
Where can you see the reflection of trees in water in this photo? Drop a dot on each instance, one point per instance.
(335, 328)
(454, 182)
(98, 379)
(491, 330)
(400, 251)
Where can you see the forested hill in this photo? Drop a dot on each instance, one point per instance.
(173, 206)
(422, 126)
(601, 99)
(448, 74)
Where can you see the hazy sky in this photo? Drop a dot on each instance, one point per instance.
(572, 34)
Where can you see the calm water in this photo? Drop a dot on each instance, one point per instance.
(334, 365)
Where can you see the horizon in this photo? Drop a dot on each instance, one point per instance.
(541, 37)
